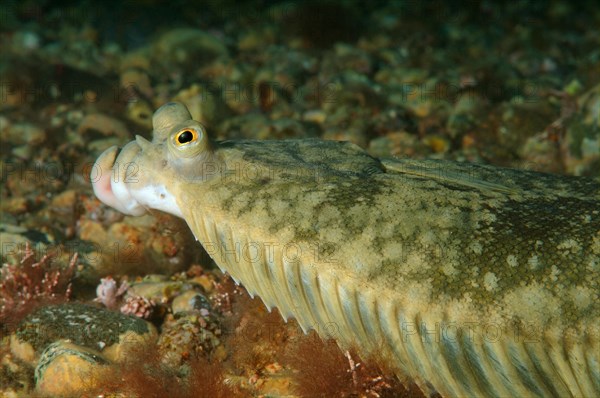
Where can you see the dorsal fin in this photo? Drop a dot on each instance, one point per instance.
(460, 174)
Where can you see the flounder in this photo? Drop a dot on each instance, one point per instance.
(470, 280)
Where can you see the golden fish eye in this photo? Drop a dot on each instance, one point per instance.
(186, 136)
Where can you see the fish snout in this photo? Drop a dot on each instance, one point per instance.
(112, 175)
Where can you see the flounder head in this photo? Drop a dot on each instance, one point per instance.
(146, 174)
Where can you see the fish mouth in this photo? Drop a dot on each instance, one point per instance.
(113, 173)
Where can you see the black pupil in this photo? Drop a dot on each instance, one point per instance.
(184, 137)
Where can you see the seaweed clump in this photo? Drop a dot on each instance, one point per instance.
(267, 348)
(145, 375)
(29, 283)
(323, 370)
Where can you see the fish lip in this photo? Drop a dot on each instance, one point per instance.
(110, 180)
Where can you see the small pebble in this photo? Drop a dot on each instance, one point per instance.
(112, 333)
(65, 369)
(191, 301)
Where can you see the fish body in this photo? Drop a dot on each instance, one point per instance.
(471, 280)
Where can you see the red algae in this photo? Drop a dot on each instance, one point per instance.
(323, 370)
(29, 283)
(264, 347)
(145, 375)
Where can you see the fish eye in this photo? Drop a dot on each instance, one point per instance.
(186, 136)
(188, 140)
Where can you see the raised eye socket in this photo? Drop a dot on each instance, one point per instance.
(186, 136)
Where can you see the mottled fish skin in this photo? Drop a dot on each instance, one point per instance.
(471, 280)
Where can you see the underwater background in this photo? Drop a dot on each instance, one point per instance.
(513, 84)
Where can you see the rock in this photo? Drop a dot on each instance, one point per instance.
(314, 116)
(110, 333)
(22, 152)
(5, 124)
(65, 200)
(14, 205)
(140, 112)
(438, 144)
(98, 146)
(137, 59)
(255, 40)
(465, 114)
(346, 59)
(23, 133)
(189, 336)
(65, 369)
(193, 329)
(257, 126)
(25, 41)
(201, 103)
(134, 82)
(105, 125)
(523, 120)
(191, 301)
(354, 134)
(187, 48)
(206, 281)
(344, 124)
(158, 292)
(137, 246)
(398, 143)
(540, 154)
(582, 140)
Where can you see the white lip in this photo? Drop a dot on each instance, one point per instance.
(109, 184)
